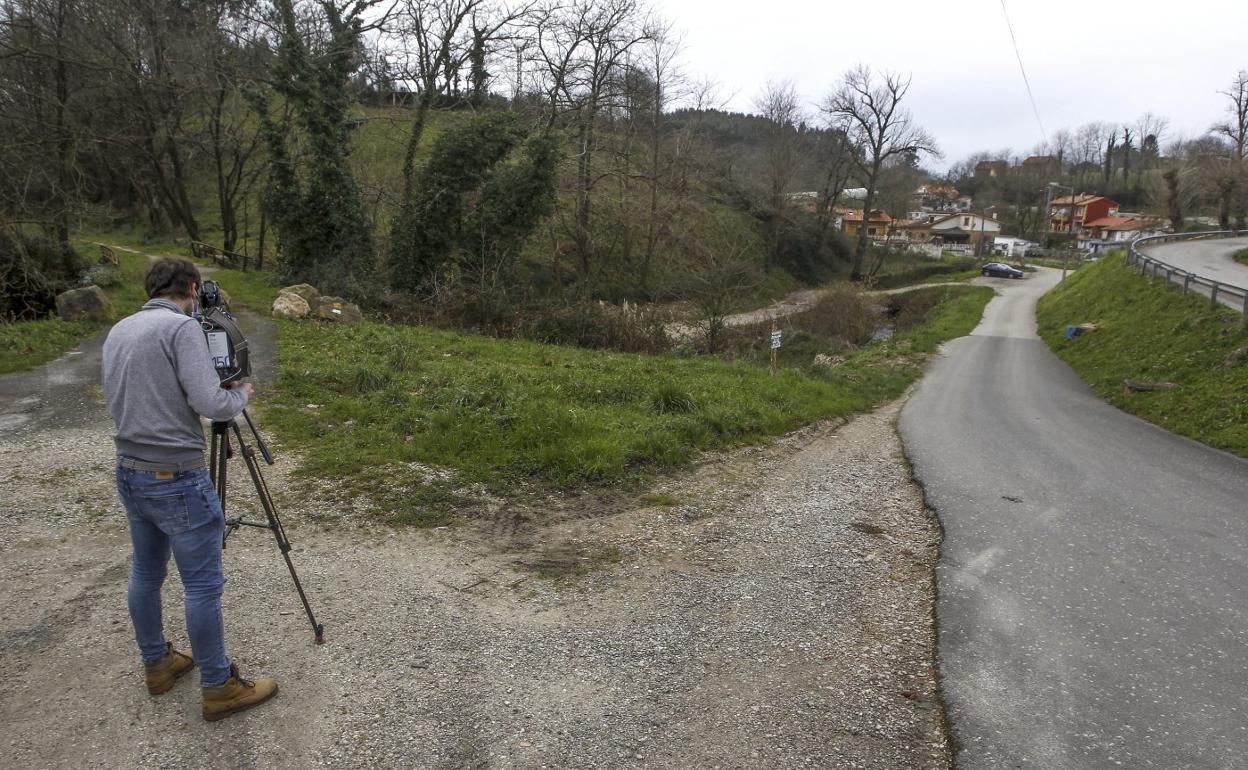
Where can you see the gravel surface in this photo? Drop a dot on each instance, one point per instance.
(777, 614)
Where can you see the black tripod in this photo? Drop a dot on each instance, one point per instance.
(222, 451)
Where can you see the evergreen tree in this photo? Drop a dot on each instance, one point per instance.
(427, 229)
(319, 219)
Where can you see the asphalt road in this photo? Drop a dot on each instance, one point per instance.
(1209, 259)
(1092, 609)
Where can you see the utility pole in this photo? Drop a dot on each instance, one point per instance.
(1070, 223)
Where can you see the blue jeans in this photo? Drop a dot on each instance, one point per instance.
(178, 513)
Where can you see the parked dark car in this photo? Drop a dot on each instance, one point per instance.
(1001, 270)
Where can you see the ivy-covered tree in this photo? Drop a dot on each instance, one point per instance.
(474, 204)
(312, 199)
(515, 198)
(428, 227)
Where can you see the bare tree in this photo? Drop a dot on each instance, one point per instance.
(837, 157)
(869, 111)
(780, 106)
(659, 60)
(1110, 139)
(435, 40)
(1062, 145)
(38, 43)
(1127, 146)
(1151, 130)
(581, 49)
(1235, 129)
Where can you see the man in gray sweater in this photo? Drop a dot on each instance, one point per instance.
(159, 379)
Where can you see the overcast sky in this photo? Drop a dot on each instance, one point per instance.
(1087, 61)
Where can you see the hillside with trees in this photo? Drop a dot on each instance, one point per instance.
(448, 158)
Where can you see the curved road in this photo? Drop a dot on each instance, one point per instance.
(1093, 608)
(1209, 259)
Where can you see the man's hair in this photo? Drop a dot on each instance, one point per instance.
(170, 277)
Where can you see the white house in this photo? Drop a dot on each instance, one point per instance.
(1012, 247)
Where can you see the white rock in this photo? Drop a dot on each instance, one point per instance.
(291, 306)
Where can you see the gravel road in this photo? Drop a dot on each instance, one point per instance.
(778, 615)
(795, 302)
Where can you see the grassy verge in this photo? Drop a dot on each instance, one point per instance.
(1071, 264)
(1241, 256)
(27, 344)
(410, 416)
(1150, 332)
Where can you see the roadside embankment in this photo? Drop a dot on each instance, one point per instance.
(1153, 334)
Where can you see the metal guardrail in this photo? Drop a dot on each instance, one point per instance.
(1224, 293)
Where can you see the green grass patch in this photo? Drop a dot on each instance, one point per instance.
(1071, 264)
(1148, 331)
(26, 344)
(960, 276)
(384, 409)
(254, 289)
(1241, 256)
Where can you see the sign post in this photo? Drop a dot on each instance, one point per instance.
(775, 345)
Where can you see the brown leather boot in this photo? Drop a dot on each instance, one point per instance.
(164, 673)
(237, 694)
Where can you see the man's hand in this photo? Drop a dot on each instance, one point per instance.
(246, 387)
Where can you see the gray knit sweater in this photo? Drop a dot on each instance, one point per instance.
(158, 376)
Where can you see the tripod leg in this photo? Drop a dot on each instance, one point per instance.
(217, 458)
(279, 532)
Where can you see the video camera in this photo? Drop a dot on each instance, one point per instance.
(226, 341)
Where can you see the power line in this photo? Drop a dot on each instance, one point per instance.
(1044, 135)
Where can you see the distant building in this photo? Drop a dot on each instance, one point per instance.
(878, 223)
(952, 229)
(935, 197)
(1070, 213)
(1041, 167)
(807, 201)
(1111, 231)
(992, 168)
(1012, 247)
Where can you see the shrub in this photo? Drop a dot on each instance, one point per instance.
(917, 272)
(367, 379)
(668, 398)
(846, 313)
(104, 276)
(626, 328)
(33, 271)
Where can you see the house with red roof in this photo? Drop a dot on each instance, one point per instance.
(1071, 213)
(1119, 229)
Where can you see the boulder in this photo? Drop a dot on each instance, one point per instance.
(291, 306)
(338, 309)
(88, 302)
(305, 290)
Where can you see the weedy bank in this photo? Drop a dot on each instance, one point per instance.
(415, 418)
(1146, 330)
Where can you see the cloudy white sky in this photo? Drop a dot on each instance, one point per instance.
(1087, 61)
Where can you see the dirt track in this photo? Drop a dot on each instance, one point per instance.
(779, 615)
